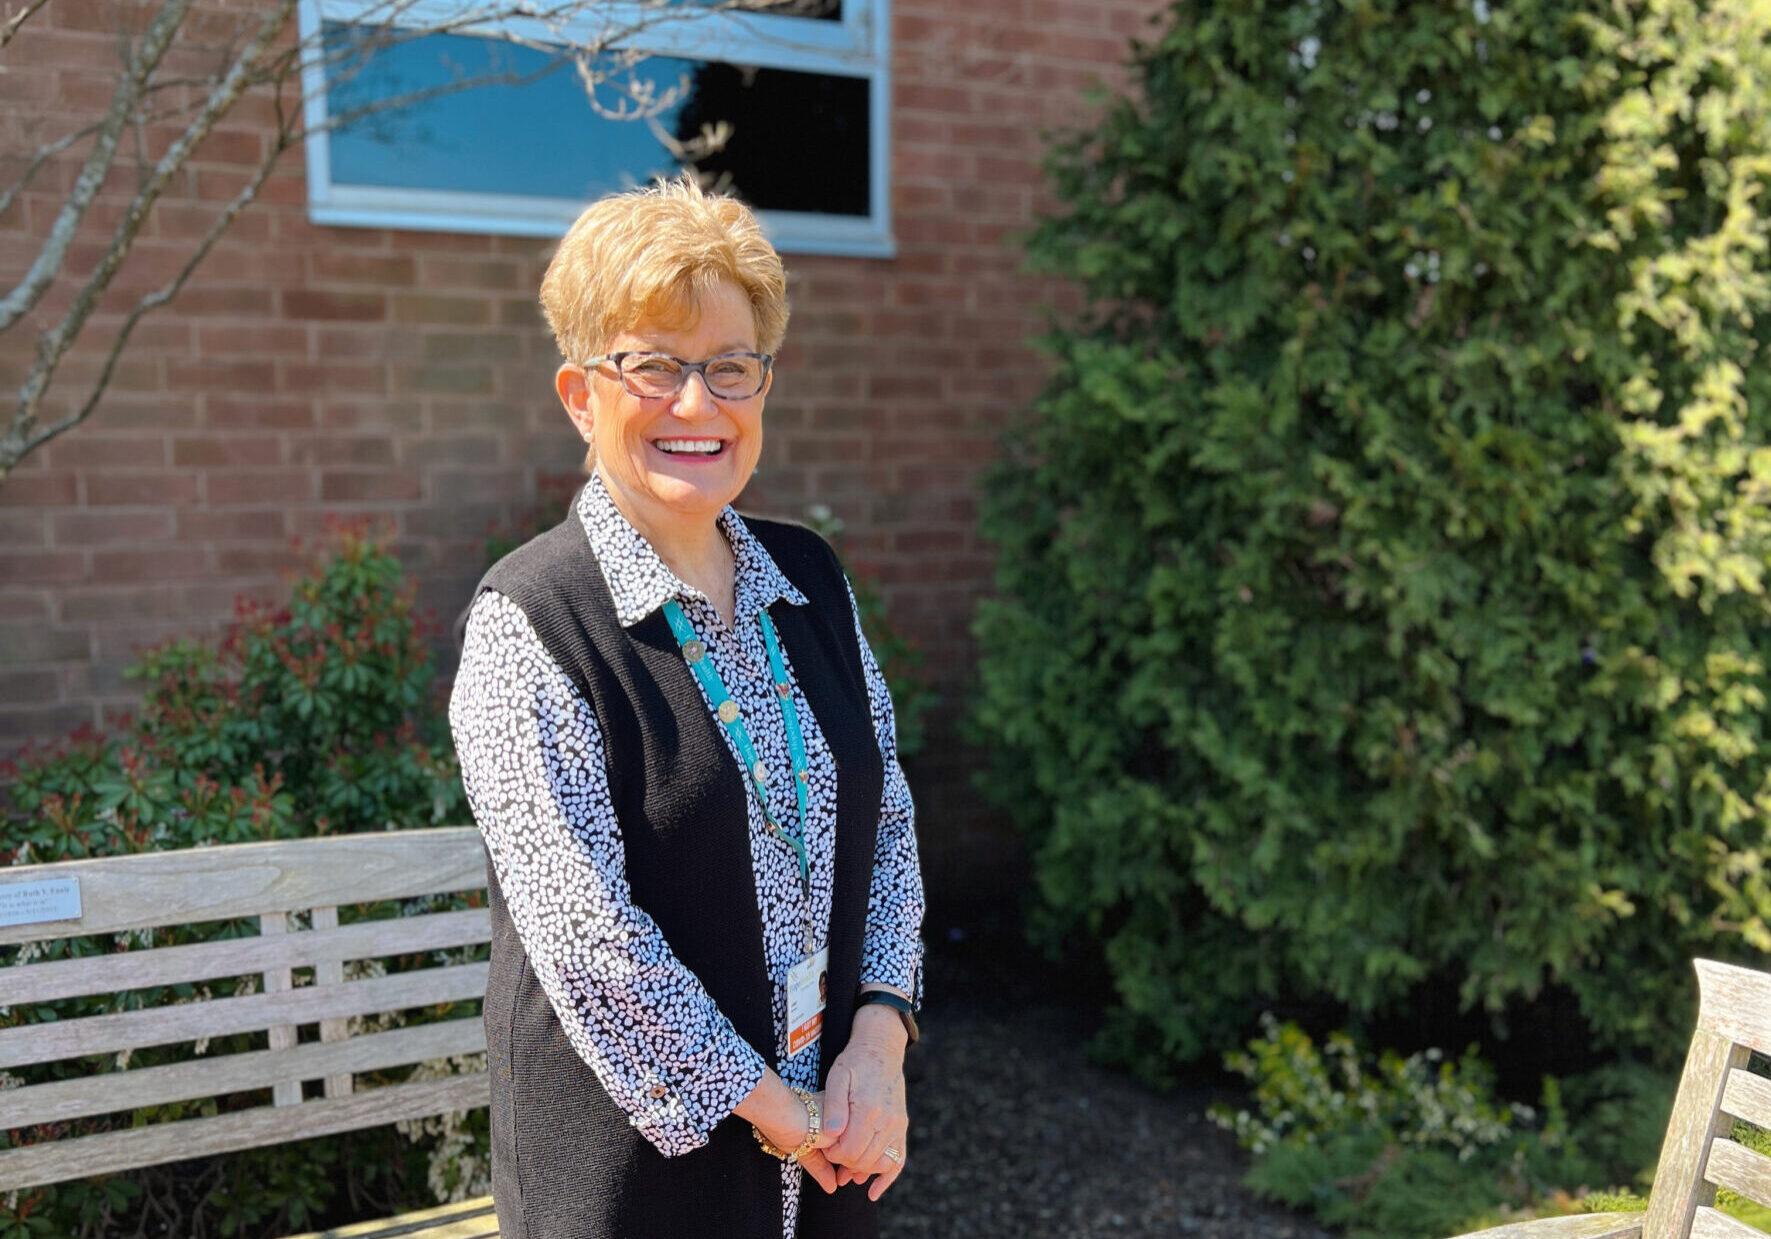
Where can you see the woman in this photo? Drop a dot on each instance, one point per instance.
(705, 898)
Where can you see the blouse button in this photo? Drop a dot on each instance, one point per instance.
(657, 1092)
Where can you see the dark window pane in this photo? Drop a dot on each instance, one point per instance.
(800, 141)
(820, 10)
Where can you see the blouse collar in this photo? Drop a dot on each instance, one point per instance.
(639, 580)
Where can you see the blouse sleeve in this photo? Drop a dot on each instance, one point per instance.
(892, 954)
(532, 762)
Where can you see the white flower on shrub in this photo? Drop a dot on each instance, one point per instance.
(458, 1170)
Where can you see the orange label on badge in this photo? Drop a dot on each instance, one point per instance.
(808, 1032)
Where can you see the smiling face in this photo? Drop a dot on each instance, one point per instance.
(672, 463)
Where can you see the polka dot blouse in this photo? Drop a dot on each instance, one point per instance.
(532, 762)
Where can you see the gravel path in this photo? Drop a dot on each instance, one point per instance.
(1015, 1134)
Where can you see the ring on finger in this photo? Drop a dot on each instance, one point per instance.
(897, 1155)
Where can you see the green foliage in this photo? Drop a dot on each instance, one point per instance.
(312, 718)
(1408, 1147)
(1382, 583)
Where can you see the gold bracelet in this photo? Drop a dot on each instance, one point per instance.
(814, 1124)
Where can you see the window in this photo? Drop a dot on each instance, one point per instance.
(398, 140)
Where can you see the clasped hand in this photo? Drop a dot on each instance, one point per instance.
(863, 1109)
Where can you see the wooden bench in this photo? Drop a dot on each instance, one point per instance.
(310, 1040)
(1698, 1154)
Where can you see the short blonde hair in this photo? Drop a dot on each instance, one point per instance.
(647, 255)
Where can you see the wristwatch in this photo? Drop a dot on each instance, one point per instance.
(885, 998)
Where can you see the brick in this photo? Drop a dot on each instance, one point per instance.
(479, 485)
(210, 452)
(41, 567)
(405, 417)
(43, 723)
(923, 97)
(338, 487)
(358, 307)
(430, 242)
(191, 221)
(232, 525)
(492, 274)
(234, 411)
(110, 603)
(202, 300)
(173, 562)
(337, 266)
(453, 311)
(463, 521)
(444, 380)
(256, 340)
(230, 146)
(83, 450)
(38, 687)
(280, 486)
(904, 386)
(449, 450)
(332, 378)
(321, 525)
(117, 489)
(362, 450)
(23, 529)
(78, 529)
(826, 450)
(25, 644)
(356, 343)
(445, 347)
(24, 604)
(258, 560)
(520, 312)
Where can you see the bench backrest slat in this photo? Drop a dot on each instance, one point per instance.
(1740, 1170)
(235, 957)
(89, 1096)
(108, 1034)
(250, 879)
(1712, 1223)
(1747, 1096)
(113, 1151)
(392, 990)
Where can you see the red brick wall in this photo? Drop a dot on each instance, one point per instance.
(311, 374)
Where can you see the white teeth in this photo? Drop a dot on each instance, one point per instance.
(694, 447)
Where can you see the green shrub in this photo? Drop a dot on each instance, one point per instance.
(1382, 581)
(1416, 1147)
(312, 718)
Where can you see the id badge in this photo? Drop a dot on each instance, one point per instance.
(807, 982)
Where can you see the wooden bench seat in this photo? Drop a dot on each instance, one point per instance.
(330, 1005)
(471, 1219)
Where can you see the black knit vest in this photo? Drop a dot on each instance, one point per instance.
(566, 1163)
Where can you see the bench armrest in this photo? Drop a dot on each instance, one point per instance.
(1580, 1226)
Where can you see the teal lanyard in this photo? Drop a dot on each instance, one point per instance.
(727, 711)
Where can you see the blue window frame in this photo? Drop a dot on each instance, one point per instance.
(805, 99)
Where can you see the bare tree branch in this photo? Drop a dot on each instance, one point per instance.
(44, 155)
(148, 54)
(54, 344)
(149, 303)
(11, 25)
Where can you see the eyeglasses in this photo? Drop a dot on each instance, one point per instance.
(652, 376)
